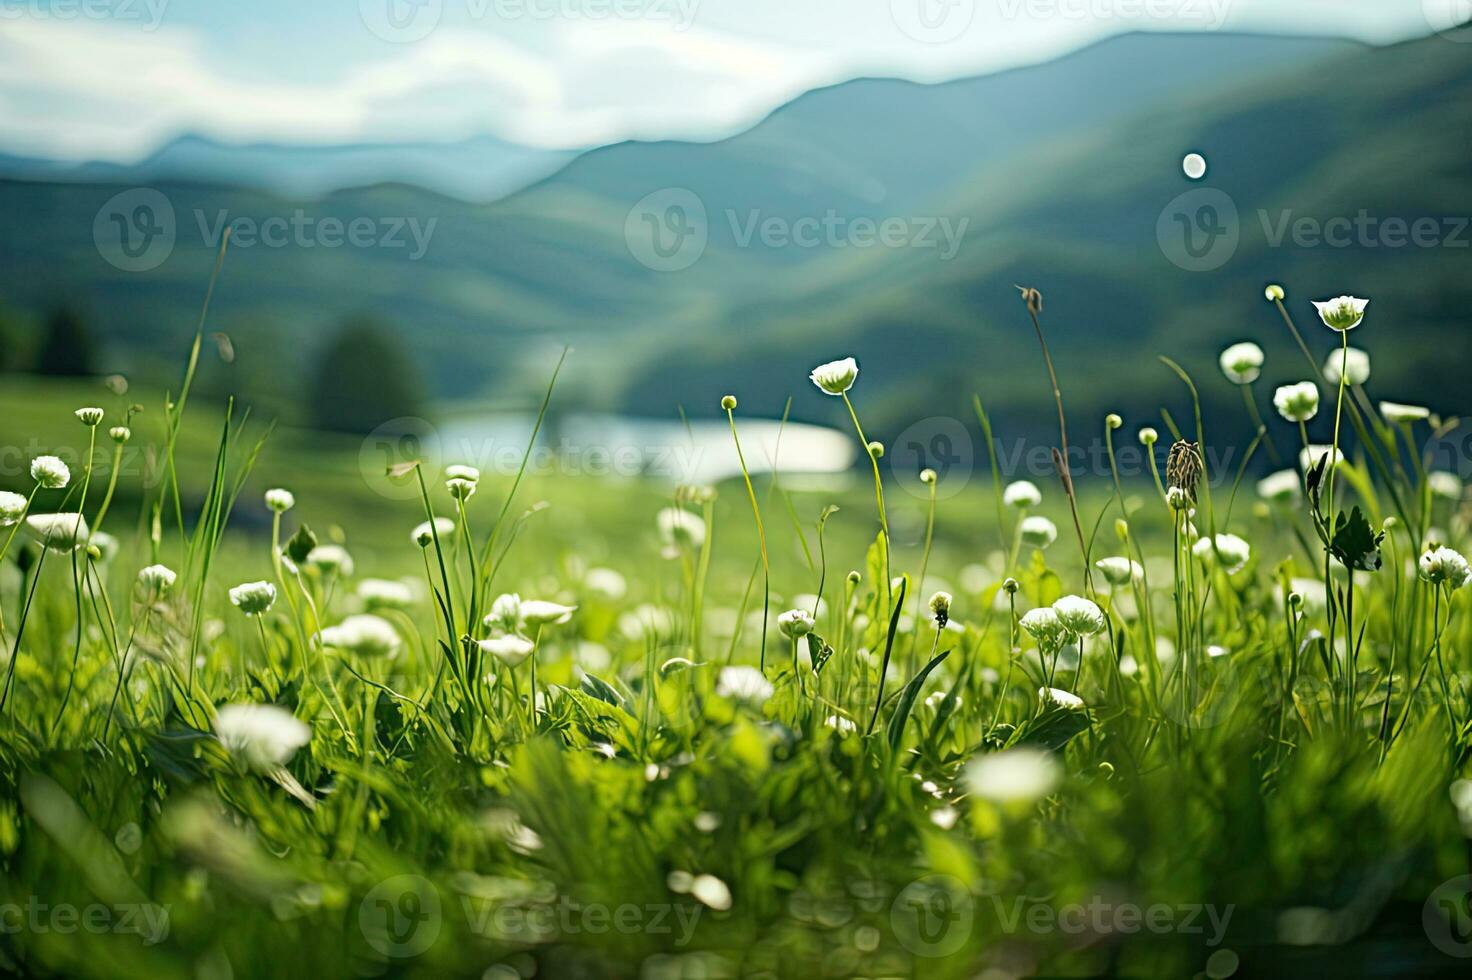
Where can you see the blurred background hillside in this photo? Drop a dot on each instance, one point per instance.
(484, 257)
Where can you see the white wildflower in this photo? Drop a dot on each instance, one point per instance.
(540, 612)
(505, 613)
(280, 500)
(156, 579)
(1443, 566)
(382, 593)
(678, 527)
(263, 736)
(1022, 494)
(711, 892)
(1039, 532)
(742, 683)
(795, 623)
(1397, 414)
(424, 534)
(1442, 484)
(253, 598)
(59, 532)
(1341, 313)
(1021, 774)
(1283, 486)
(12, 508)
(1233, 551)
(1355, 361)
(50, 472)
(89, 416)
(364, 634)
(1309, 456)
(1120, 571)
(1242, 363)
(331, 558)
(1042, 624)
(606, 584)
(836, 377)
(1061, 698)
(1079, 616)
(840, 724)
(1297, 402)
(510, 649)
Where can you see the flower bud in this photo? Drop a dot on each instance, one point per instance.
(1274, 293)
(728, 403)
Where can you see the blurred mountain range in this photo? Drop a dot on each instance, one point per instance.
(880, 218)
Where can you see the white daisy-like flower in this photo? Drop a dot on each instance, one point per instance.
(1442, 484)
(840, 724)
(1341, 313)
(460, 488)
(366, 634)
(938, 698)
(331, 558)
(742, 683)
(1443, 566)
(12, 508)
(1079, 616)
(50, 472)
(795, 623)
(1022, 494)
(253, 598)
(1233, 551)
(1061, 698)
(280, 500)
(836, 377)
(59, 532)
(1309, 456)
(606, 583)
(1297, 402)
(1313, 593)
(383, 593)
(1356, 362)
(1042, 624)
(711, 892)
(89, 416)
(460, 471)
(1397, 414)
(1017, 775)
(424, 533)
(505, 613)
(679, 527)
(1283, 486)
(510, 649)
(1120, 571)
(1038, 531)
(540, 612)
(120, 434)
(1242, 363)
(156, 579)
(263, 736)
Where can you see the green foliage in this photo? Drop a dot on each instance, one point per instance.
(364, 378)
(66, 348)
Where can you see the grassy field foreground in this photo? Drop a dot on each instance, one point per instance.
(1204, 725)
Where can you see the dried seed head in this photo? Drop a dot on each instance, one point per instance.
(1032, 298)
(1183, 467)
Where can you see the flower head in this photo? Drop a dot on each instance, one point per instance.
(460, 471)
(940, 607)
(1242, 363)
(1021, 774)
(385, 593)
(424, 533)
(836, 377)
(1022, 494)
(120, 434)
(1355, 362)
(1233, 551)
(742, 683)
(156, 579)
(461, 488)
(1341, 313)
(1309, 456)
(1397, 414)
(1119, 571)
(1148, 436)
(1297, 402)
(1042, 624)
(253, 598)
(1038, 532)
(505, 613)
(540, 612)
(1443, 484)
(510, 649)
(678, 527)
(1061, 698)
(1274, 293)
(1443, 566)
(59, 532)
(365, 634)
(12, 508)
(50, 472)
(263, 736)
(795, 623)
(90, 417)
(280, 500)
(1283, 486)
(1079, 616)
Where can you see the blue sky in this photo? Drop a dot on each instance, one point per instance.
(112, 79)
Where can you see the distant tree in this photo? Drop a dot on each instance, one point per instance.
(364, 378)
(66, 348)
(9, 337)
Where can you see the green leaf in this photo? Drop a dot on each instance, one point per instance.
(1052, 729)
(818, 651)
(1355, 543)
(906, 703)
(603, 691)
(301, 544)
